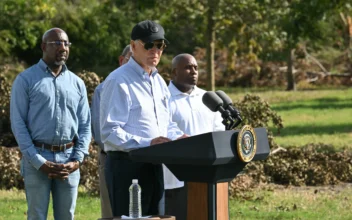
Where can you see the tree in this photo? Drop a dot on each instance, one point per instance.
(210, 36)
(301, 21)
(22, 25)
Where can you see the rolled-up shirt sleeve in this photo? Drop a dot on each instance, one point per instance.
(115, 105)
(19, 104)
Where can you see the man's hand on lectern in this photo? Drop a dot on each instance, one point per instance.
(183, 136)
(159, 140)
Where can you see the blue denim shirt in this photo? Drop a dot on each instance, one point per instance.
(51, 110)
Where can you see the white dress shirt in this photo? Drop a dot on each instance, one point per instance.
(134, 109)
(193, 118)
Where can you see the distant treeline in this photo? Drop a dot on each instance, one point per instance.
(265, 30)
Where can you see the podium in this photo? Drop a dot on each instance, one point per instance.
(206, 162)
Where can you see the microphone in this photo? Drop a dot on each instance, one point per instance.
(214, 103)
(227, 103)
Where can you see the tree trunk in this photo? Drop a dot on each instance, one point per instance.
(210, 37)
(291, 86)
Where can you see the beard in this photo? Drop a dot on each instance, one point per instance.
(60, 63)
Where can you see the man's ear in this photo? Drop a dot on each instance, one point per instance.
(133, 45)
(43, 46)
(173, 73)
(121, 59)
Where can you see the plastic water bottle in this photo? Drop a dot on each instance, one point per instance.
(135, 200)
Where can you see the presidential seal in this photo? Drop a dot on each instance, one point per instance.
(246, 143)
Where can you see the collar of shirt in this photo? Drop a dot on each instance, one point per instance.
(140, 71)
(175, 91)
(44, 67)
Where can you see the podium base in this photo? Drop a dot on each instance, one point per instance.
(208, 201)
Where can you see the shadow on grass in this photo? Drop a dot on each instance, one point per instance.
(321, 129)
(324, 103)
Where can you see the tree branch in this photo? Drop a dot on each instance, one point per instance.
(313, 59)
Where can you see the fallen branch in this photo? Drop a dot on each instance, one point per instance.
(277, 150)
(315, 60)
(322, 74)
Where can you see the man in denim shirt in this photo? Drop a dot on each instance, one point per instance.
(51, 122)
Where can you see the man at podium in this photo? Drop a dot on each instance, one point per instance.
(192, 117)
(134, 113)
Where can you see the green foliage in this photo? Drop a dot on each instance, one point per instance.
(245, 29)
(10, 168)
(98, 30)
(258, 113)
(6, 137)
(89, 171)
(5, 91)
(22, 24)
(91, 80)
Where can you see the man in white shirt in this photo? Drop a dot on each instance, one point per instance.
(192, 117)
(134, 113)
(95, 112)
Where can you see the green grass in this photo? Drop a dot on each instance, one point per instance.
(13, 206)
(295, 203)
(317, 116)
(291, 203)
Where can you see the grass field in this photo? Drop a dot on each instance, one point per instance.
(296, 203)
(280, 203)
(13, 206)
(323, 116)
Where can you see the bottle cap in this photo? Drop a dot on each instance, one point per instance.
(134, 181)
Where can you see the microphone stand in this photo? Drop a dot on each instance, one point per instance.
(230, 122)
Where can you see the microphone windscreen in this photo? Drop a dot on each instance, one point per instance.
(225, 98)
(212, 101)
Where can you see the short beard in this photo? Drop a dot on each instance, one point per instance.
(60, 63)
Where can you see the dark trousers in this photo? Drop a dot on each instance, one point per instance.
(119, 173)
(176, 202)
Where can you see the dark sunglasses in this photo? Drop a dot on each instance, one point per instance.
(59, 43)
(150, 45)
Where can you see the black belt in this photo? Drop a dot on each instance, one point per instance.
(118, 155)
(54, 148)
